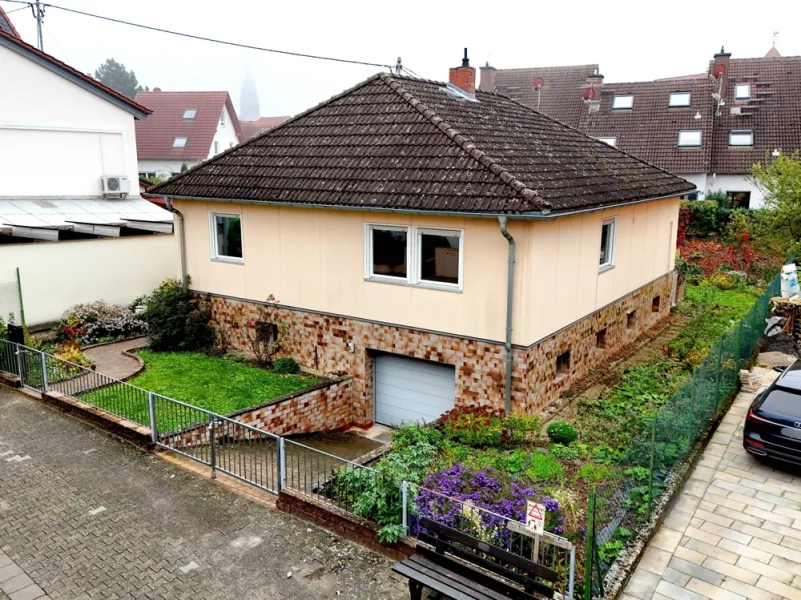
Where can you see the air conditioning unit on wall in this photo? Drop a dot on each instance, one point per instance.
(115, 187)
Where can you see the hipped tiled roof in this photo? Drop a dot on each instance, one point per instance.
(400, 143)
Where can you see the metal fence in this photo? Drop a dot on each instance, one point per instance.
(621, 504)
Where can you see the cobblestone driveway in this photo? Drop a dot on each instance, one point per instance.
(86, 516)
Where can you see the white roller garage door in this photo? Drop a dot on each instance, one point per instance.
(410, 390)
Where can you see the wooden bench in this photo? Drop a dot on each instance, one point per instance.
(462, 567)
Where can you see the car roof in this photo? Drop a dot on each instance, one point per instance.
(791, 378)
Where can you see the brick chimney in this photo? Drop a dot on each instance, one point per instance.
(487, 80)
(464, 77)
(722, 58)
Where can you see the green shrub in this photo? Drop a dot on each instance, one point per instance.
(411, 435)
(519, 427)
(562, 452)
(286, 365)
(593, 474)
(723, 281)
(563, 433)
(513, 463)
(176, 319)
(543, 467)
(475, 426)
(609, 551)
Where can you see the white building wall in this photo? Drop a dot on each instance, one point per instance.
(226, 135)
(697, 179)
(57, 138)
(56, 276)
(164, 167)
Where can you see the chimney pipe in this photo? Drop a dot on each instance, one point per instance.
(464, 77)
(487, 81)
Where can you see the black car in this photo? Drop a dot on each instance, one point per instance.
(773, 423)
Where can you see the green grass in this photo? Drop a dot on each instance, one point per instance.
(219, 384)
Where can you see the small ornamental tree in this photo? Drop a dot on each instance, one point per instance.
(780, 181)
(265, 334)
(177, 319)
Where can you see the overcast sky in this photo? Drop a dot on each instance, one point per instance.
(631, 41)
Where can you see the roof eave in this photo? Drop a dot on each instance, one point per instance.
(18, 46)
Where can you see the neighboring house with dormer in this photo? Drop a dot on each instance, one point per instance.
(184, 129)
(71, 218)
(443, 246)
(709, 127)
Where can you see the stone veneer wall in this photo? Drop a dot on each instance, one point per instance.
(321, 342)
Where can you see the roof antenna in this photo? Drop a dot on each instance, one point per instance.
(775, 37)
(398, 67)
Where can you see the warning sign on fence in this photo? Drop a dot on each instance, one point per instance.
(535, 517)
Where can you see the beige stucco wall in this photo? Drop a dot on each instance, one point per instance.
(314, 259)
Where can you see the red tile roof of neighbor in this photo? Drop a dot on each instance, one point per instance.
(410, 144)
(253, 128)
(651, 128)
(6, 24)
(15, 43)
(155, 136)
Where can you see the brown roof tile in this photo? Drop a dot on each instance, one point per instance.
(401, 143)
(253, 128)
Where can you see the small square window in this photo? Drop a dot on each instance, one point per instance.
(563, 364)
(607, 258)
(222, 119)
(741, 138)
(623, 102)
(656, 304)
(679, 99)
(739, 199)
(611, 140)
(216, 146)
(227, 237)
(179, 142)
(742, 91)
(190, 113)
(439, 256)
(690, 138)
(600, 338)
(631, 319)
(388, 252)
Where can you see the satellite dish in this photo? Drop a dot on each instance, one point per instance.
(538, 83)
(719, 70)
(589, 94)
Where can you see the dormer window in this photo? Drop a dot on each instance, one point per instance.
(679, 99)
(690, 138)
(741, 138)
(179, 142)
(742, 91)
(611, 140)
(190, 114)
(623, 102)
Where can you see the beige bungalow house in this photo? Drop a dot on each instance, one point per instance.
(442, 245)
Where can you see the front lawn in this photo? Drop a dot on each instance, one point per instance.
(218, 384)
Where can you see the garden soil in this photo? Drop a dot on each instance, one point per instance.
(781, 342)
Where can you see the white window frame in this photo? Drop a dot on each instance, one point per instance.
(741, 133)
(190, 110)
(609, 264)
(609, 140)
(216, 147)
(416, 256)
(738, 94)
(175, 143)
(700, 138)
(622, 97)
(222, 118)
(677, 104)
(368, 253)
(413, 254)
(215, 255)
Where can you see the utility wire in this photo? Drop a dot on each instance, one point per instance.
(8, 12)
(206, 39)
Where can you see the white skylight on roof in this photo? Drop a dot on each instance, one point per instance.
(741, 138)
(679, 99)
(179, 142)
(611, 140)
(690, 138)
(742, 91)
(190, 113)
(623, 102)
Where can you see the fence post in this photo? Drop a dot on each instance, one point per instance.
(651, 470)
(45, 384)
(19, 363)
(589, 545)
(404, 500)
(21, 305)
(281, 465)
(151, 407)
(212, 452)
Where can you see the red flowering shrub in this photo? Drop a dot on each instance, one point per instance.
(480, 426)
(712, 256)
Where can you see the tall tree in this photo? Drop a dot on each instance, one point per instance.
(117, 77)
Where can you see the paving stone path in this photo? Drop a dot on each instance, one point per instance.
(734, 530)
(83, 515)
(111, 361)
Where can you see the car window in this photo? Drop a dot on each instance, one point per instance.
(779, 402)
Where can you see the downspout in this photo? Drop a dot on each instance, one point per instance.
(510, 287)
(181, 239)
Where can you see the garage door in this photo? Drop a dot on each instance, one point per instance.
(413, 390)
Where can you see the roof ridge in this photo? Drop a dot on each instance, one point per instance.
(227, 151)
(466, 145)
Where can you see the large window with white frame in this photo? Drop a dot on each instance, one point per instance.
(608, 235)
(226, 237)
(689, 138)
(623, 102)
(742, 91)
(677, 99)
(420, 256)
(741, 138)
